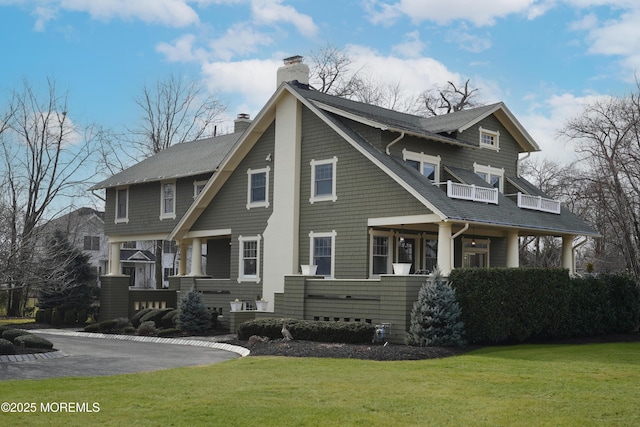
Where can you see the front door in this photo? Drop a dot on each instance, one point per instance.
(131, 272)
(407, 251)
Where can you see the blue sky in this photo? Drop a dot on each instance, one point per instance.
(543, 58)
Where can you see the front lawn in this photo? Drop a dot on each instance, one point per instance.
(594, 384)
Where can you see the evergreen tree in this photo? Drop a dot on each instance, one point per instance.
(194, 317)
(68, 277)
(435, 318)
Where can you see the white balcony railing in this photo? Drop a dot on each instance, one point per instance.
(471, 192)
(538, 203)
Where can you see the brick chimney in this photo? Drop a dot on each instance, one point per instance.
(241, 123)
(293, 69)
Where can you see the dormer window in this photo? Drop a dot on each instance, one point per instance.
(489, 139)
(494, 176)
(427, 165)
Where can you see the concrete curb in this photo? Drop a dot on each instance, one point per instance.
(243, 352)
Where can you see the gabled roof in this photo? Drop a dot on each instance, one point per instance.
(136, 255)
(178, 161)
(338, 112)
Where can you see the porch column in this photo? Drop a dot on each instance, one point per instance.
(513, 255)
(445, 248)
(114, 259)
(182, 262)
(196, 257)
(567, 253)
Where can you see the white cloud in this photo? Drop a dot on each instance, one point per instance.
(270, 12)
(467, 40)
(411, 47)
(181, 50)
(239, 39)
(480, 13)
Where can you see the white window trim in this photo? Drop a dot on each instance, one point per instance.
(423, 158)
(389, 235)
(163, 214)
(241, 276)
(496, 139)
(325, 197)
(126, 217)
(265, 203)
(331, 234)
(488, 170)
(197, 184)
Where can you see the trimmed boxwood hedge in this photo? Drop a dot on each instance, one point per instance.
(155, 315)
(7, 347)
(307, 330)
(11, 334)
(135, 320)
(33, 341)
(518, 304)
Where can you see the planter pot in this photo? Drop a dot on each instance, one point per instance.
(401, 268)
(262, 305)
(308, 270)
(236, 305)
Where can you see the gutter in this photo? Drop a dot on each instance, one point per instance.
(520, 160)
(393, 142)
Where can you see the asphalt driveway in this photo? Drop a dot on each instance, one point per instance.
(89, 356)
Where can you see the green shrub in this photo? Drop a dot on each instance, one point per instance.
(57, 317)
(5, 328)
(33, 341)
(48, 314)
(170, 319)
(135, 320)
(12, 334)
(147, 328)
(93, 327)
(170, 332)
(40, 316)
(83, 315)
(70, 317)
(435, 318)
(518, 304)
(339, 332)
(194, 318)
(155, 315)
(129, 330)
(6, 347)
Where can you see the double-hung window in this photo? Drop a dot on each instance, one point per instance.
(323, 180)
(122, 205)
(322, 252)
(258, 188)
(427, 165)
(380, 261)
(494, 176)
(249, 268)
(168, 200)
(91, 243)
(198, 186)
(489, 139)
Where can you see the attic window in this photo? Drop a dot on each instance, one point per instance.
(427, 165)
(489, 139)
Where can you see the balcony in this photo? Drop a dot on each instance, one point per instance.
(538, 203)
(471, 192)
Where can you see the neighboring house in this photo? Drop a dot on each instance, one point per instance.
(348, 187)
(84, 227)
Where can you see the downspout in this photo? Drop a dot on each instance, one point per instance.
(520, 160)
(393, 142)
(453, 238)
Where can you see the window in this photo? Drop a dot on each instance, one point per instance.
(168, 200)
(494, 176)
(258, 188)
(169, 247)
(475, 253)
(489, 139)
(323, 180)
(198, 186)
(168, 272)
(91, 243)
(427, 165)
(122, 205)
(380, 253)
(322, 252)
(249, 269)
(129, 245)
(430, 253)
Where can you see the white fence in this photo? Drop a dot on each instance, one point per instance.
(471, 192)
(538, 203)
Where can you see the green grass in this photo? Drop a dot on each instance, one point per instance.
(578, 385)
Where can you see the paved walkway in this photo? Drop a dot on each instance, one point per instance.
(87, 354)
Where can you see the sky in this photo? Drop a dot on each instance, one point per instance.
(544, 59)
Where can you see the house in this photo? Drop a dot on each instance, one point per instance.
(346, 187)
(84, 227)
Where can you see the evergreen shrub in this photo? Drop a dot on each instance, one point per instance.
(135, 320)
(170, 319)
(12, 334)
(6, 347)
(57, 317)
(70, 317)
(33, 341)
(147, 328)
(194, 318)
(155, 315)
(309, 330)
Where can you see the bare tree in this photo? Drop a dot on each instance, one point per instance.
(43, 153)
(332, 72)
(448, 99)
(608, 137)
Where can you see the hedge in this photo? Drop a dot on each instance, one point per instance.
(307, 330)
(33, 341)
(7, 347)
(12, 334)
(507, 305)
